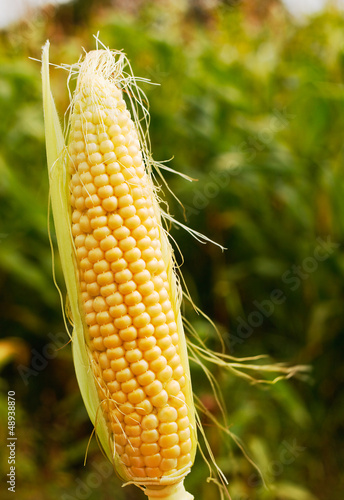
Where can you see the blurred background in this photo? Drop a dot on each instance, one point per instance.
(250, 103)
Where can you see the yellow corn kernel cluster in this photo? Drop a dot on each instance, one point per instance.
(135, 333)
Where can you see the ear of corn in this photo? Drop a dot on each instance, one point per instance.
(128, 342)
(129, 346)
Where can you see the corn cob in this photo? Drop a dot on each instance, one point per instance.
(128, 340)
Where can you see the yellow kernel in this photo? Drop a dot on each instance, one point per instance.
(178, 372)
(128, 334)
(92, 201)
(101, 266)
(119, 397)
(154, 387)
(115, 221)
(109, 375)
(132, 255)
(107, 330)
(162, 332)
(108, 243)
(116, 352)
(105, 278)
(106, 146)
(103, 318)
(126, 161)
(114, 386)
(172, 327)
(131, 344)
(137, 266)
(98, 221)
(159, 366)
(118, 265)
(152, 354)
(184, 434)
(101, 180)
(97, 343)
(105, 192)
(85, 264)
(119, 364)
(168, 440)
(170, 352)
(152, 460)
(138, 471)
(114, 300)
(146, 288)
(121, 232)
(132, 451)
(112, 341)
(113, 254)
(172, 387)
(121, 151)
(172, 452)
(154, 310)
(123, 276)
(127, 212)
(110, 203)
(98, 169)
(101, 233)
(145, 331)
(147, 343)
(133, 356)
(139, 233)
(133, 298)
(175, 361)
(167, 414)
(168, 428)
(183, 423)
(141, 320)
(79, 243)
(151, 299)
(94, 158)
(159, 400)
(124, 375)
(145, 407)
(93, 289)
(136, 309)
(146, 378)
(127, 244)
(153, 472)
(164, 342)
(99, 304)
(94, 331)
(137, 462)
(125, 201)
(118, 310)
(140, 367)
(159, 319)
(150, 422)
(114, 168)
(133, 223)
(123, 322)
(95, 255)
(90, 242)
(107, 290)
(150, 436)
(90, 276)
(127, 288)
(137, 396)
(168, 464)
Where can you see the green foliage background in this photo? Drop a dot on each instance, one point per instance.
(250, 103)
